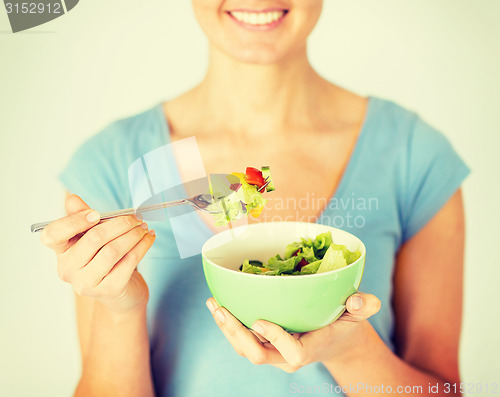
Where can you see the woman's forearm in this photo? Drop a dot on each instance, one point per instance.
(374, 369)
(117, 360)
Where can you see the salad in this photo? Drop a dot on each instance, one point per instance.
(238, 194)
(305, 257)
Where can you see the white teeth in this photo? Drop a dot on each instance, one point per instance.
(257, 18)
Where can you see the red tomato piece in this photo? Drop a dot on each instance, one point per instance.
(254, 177)
(301, 264)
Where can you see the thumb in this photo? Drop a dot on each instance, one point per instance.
(361, 306)
(75, 204)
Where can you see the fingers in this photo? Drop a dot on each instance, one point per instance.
(112, 282)
(287, 367)
(111, 254)
(259, 337)
(74, 203)
(268, 343)
(58, 233)
(244, 342)
(115, 282)
(290, 347)
(99, 237)
(361, 306)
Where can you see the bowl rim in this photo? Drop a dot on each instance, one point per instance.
(268, 276)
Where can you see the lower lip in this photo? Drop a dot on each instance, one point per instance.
(259, 28)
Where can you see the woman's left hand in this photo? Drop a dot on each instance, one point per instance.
(268, 343)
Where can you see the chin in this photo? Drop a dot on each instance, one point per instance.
(261, 55)
(261, 52)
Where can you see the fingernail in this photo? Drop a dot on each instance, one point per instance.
(220, 316)
(144, 226)
(258, 328)
(356, 303)
(93, 216)
(138, 216)
(211, 306)
(152, 232)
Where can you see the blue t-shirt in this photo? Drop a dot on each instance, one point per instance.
(401, 172)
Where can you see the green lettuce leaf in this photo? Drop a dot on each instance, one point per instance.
(333, 259)
(308, 254)
(281, 266)
(249, 195)
(321, 244)
(234, 204)
(248, 268)
(307, 242)
(311, 268)
(292, 249)
(352, 257)
(349, 256)
(231, 209)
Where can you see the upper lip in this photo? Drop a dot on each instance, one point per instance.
(254, 10)
(257, 6)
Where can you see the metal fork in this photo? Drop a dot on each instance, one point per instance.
(202, 202)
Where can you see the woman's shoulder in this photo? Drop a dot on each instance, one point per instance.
(397, 125)
(121, 142)
(429, 170)
(391, 118)
(131, 132)
(98, 170)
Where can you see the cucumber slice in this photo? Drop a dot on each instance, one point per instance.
(266, 173)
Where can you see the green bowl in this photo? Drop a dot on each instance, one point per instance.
(296, 303)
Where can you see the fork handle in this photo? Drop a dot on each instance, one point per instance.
(38, 227)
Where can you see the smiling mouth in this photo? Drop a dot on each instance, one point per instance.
(258, 18)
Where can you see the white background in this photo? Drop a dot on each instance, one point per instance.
(63, 81)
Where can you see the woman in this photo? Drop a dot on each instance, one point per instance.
(261, 102)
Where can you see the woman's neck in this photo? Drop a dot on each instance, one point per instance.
(261, 99)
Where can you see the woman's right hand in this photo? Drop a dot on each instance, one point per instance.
(100, 260)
